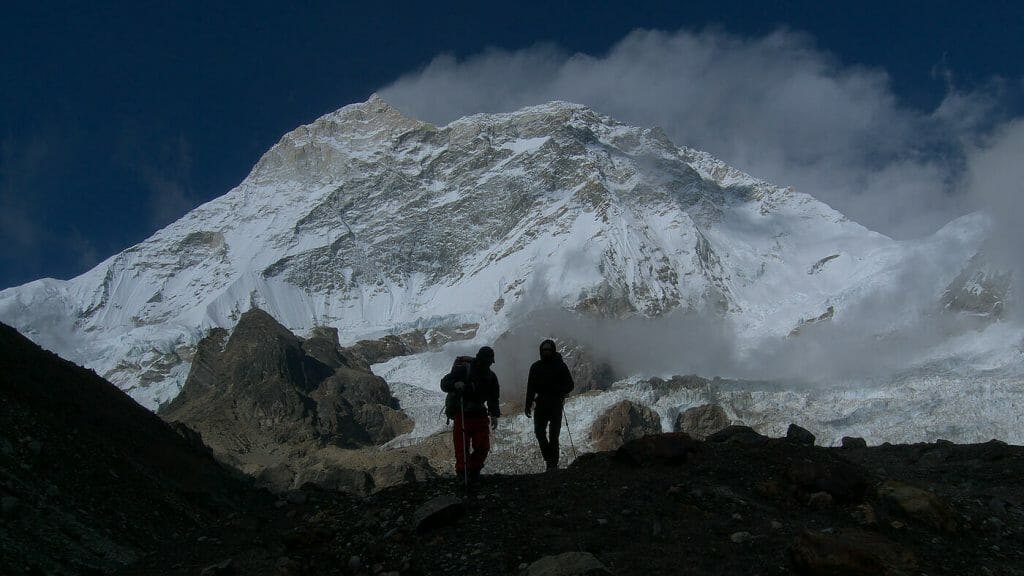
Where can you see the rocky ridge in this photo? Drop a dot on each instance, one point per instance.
(288, 410)
(90, 480)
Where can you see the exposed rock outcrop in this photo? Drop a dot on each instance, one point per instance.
(264, 397)
(415, 342)
(980, 289)
(623, 422)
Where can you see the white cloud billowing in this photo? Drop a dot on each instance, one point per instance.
(776, 107)
(995, 179)
(781, 109)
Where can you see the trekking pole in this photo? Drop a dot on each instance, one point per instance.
(465, 448)
(568, 429)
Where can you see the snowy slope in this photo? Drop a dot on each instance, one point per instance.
(373, 222)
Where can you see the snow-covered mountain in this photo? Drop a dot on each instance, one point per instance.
(372, 222)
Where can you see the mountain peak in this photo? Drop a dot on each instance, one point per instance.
(312, 150)
(374, 106)
(372, 222)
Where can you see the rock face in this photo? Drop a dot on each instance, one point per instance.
(623, 422)
(980, 289)
(415, 342)
(263, 394)
(83, 468)
(702, 421)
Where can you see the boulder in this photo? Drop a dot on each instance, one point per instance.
(623, 422)
(567, 564)
(851, 443)
(737, 434)
(658, 450)
(799, 435)
(918, 504)
(702, 421)
(437, 512)
(849, 554)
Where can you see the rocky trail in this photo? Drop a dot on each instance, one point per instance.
(738, 503)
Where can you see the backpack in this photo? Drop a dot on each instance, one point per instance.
(452, 400)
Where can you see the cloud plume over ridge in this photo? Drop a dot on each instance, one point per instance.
(779, 108)
(776, 107)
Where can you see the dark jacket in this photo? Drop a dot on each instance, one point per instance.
(549, 382)
(480, 396)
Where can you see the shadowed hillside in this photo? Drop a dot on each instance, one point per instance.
(93, 483)
(90, 479)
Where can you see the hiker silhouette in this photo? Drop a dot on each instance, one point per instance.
(549, 382)
(472, 402)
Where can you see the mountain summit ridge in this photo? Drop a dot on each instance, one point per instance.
(372, 222)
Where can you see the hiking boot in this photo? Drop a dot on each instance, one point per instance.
(552, 466)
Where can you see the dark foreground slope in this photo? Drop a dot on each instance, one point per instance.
(90, 483)
(660, 505)
(89, 479)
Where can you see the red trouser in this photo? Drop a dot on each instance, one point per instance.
(476, 434)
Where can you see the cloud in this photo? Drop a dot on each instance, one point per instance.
(775, 106)
(779, 108)
(995, 178)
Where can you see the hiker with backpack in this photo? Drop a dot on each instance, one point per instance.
(472, 402)
(549, 382)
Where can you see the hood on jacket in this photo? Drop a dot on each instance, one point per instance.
(549, 343)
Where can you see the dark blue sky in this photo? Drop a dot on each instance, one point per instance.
(117, 118)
